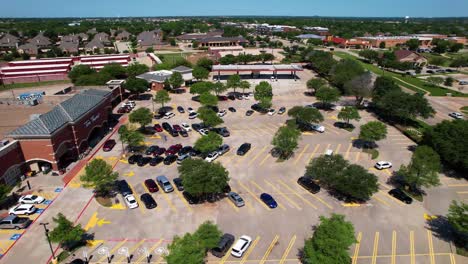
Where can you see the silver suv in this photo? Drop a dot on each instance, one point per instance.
(182, 158)
(236, 199)
(165, 184)
(223, 149)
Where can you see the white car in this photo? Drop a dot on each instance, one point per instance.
(318, 128)
(190, 110)
(246, 97)
(130, 201)
(168, 115)
(31, 199)
(222, 113)
(212, 156)
(192, 115)
(203, 131)
(456, 115)
(383, 165)
(23, 209)
(271, 112)
(241, 245)
(186, 127)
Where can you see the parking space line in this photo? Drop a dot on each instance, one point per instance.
(247, 254)
(358, 154)
(263, 132)
(254, 131)
(376, 248)
(166, 197)
(316, 197)
(130, 251)
(256, 156)
(356, 248)
(296, 193)
(331, 128)
(380, 200)
(104, 258)
(411, 235)
(253, 195)
(149, 251)
(302, 153)
(264, 159)
(337, 150)
(347, 151)
(394, 247)
(313, 152)
(263, 191)
(226, 256)
(284, 196)
(393, 198)
(286, 252)
(452, 258)
(184, 200)
(328, 146)
(245, 155)
(431, 247)
(270, 248)
(140, 204)
(457, 185)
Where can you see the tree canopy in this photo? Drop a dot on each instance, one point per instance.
(200, 73)
(162, 97)
(373, 131)
(176, 80)
(130, 137)
(316, 83)
(135, 85)
(305, 114)
(348, 113)
(142, 116)
(384, 85)
(423, 169)
(207, 99)
(264, 94)
(209, 117)
(116, 70)
(205, 63)
(327, 95)
(344, 71)
(136, 69)
(203, 178)
(201, 87)
(286, 140)
(80, 70)
(219, 87)
(457, 218)
(234, 82)
(65, 232)
(400, 106)
(208, 143)
(360, 86)
(99, 175)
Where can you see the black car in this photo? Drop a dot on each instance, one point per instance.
(185, 150)
(400, 195)
(231, 97)
(156, 160)
(148, 200)
(243, 149)
(430, 71)
(183, 133)
(190, 198)
(151, 150)
(170, 159)
(275, 152)
(249, 112)
(123, 187)
(143, 161)
(223, 246)
(222, 131)
(258, 108)
(180, 109)
(196, 127)
(195, 153)
(136, 149)
(134, 158)
(173, 133)
(159, 151)
(196, 98)
(178, 184)
(166, 126)
(232, 109)
(308, 184)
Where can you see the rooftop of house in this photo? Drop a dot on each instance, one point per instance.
(40, 40)
(149, 38)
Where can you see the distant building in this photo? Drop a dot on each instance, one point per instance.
(410, 56)
(69, 47)
(425, 40)
(124, 35)
(222, 41)
(40, 41)
(310, 36)
(35, 70)
(8, 42)
(190, 37)
(28, 48)
(157, 78)
(266, 29)
(149, 39)
(321, 31)
(99, 61)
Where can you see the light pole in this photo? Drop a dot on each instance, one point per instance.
(48, 239)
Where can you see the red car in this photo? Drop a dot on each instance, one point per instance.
(159, 152)
(177, 128)
(158, 128)
(123, 110)
(109, 145)
(151, 185)
(172, 150)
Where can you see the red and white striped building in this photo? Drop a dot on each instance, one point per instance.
(98, 62)
(36, 70)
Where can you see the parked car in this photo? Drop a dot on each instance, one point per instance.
(232, 109)
(158, 128)
(223, 245)
(143, 161)
(241, 245)
(308, 184)
(151, 185)
(317, 127)
(456, 115)
(195, 153)
(168, 115)
(190, 198)
(151, 150)
(182, 158)
(222, 113)
(282, 110)
(183, 133)
(124, 188)
(159, 151)
(236, 199)
(268, 200)
(271, 112)
(186, 127)
(170, 159)
(131, 201)
(222, 98)
(158, 116)
(185, 150)
(249, 112)
(222, 131)
(275, 152)
(123, 110)
(31, 199)
(15, 222)
(197, 126)
(23, 209)
(243, 149)
(156, 160)
(190, 110)
(430, 71)
(134, 158)
(192, 115)
(178, 184)
(180, 109)
(258, 108)
(400, 195)
(383, 165)
(177, 128)
(164, 184)
(212, 156)
(203, 131)
(148, 200)
(108, 145)
(223, 149)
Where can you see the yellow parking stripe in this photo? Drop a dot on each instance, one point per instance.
(452, 258)
(284, 196)
(313, 152)
(263, 191)
(316, 197)
(264, 159)
(247, 254)
(246, 155)
(331, 128)
(270, 248)
(143, 256)
(225, 256)
(337, 150)
(358, 154)
(431, 246)
(253, 195)
(391, 197)
(130, 251)
(104, 258)
(376, 248)
(356, 248)
(256, 156)
(411, 235)
(394, 247)
(184, 200)
(296, 193)
(328, 146)
(347, 151)
(302, 153)
(380, 200)
(166, 197)
(286, 252)
(140, 203)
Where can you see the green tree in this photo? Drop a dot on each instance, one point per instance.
(205, 63)
(209, 117)
(457, 218)
(201, 88)
(234, 82)
(344, 71)
(135, 85)
(208, 143)
(115, 70)
(450, 140)
(370, 55)
(455, 47)
(149, 50)
(331, 241)
(208, 235)
(360, 86)
(400, 106)
(383, 85)
(203, 178)
(200, 73)
(448, 81)
(423, 169)
(99, 175)
(441, 46)
(66, 233)
(79, 71)
(142, 116)
(135, 69)
(435, 81)
(286, 140)
(382, 45)
(161, 97)
(219, 87)
(316, 83)
(356, 182)
(327, 95)
(373, 131)
(207, 99)
(321, 61)
(348, 113)
(305, 114)
(244, 85)
(176, 80)
(264, 94)
(130, 137)
(412, 44)
(326, 169)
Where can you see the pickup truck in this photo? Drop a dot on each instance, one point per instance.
(15, 222)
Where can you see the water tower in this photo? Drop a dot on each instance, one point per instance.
(406, 19)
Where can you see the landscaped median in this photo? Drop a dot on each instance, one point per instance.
(408, 82)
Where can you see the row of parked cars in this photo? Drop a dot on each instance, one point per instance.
(126, 107)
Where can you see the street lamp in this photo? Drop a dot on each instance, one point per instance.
(48, 239)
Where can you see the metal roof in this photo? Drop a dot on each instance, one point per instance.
(155, 76)
(182, 69)
(258, 67)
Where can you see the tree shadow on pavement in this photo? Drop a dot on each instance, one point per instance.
(441, 228)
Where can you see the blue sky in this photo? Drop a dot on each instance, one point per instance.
(114, 8)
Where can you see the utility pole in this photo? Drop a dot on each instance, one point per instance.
(48, 240)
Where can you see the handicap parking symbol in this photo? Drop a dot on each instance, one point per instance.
(47, 202)
(57, 190)
(39, 211)
(15, 236)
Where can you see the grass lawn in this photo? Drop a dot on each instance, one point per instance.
(172, 57)
(464, 109)
(409, 82)
(29, 85)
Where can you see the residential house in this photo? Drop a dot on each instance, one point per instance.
(69, 47)
(28, 48)
(149, 39)
(8, 42)
(410, 56)
(102, 37)
(92, 31)
(40, 41)
(157, 78)
(83, 36)
(124, 35)
(93, 45)
(190, 37)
